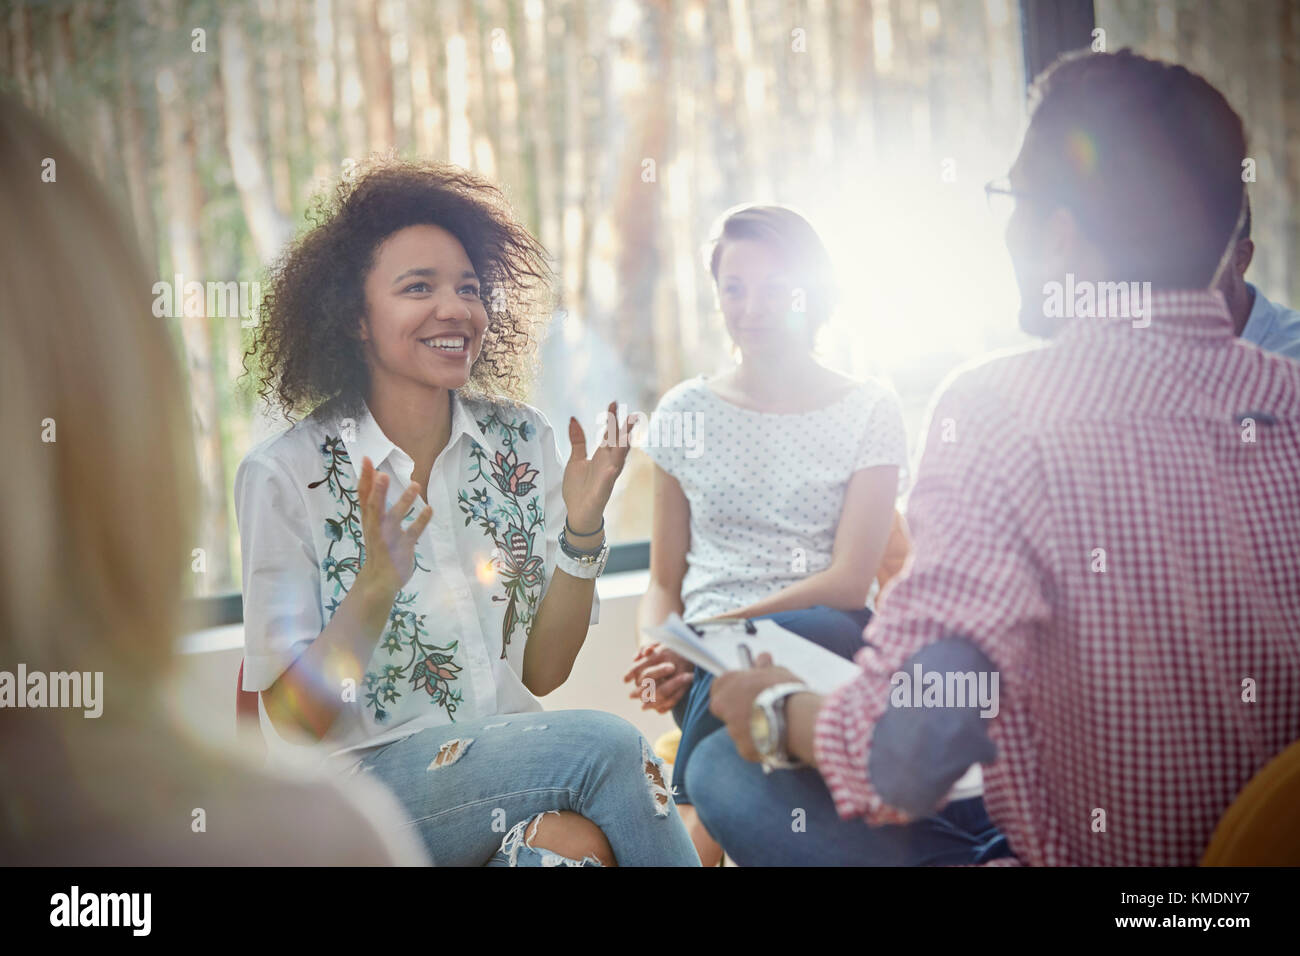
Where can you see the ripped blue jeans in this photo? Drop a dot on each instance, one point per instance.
(474, 790)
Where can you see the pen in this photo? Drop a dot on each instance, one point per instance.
(746, 657)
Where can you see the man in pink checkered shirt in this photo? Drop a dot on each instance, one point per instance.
(1107, 528)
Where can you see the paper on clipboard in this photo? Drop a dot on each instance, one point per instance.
(715, 646)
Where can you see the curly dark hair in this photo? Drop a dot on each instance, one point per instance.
(307, 344)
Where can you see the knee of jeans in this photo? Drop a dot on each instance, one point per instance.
(608, 740)
(517, 848)
(701, 771)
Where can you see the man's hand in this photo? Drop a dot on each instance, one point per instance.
(732, 699)
(670, 675)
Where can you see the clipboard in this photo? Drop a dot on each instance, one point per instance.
(715, 645)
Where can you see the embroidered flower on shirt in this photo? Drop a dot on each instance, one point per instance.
(349, 520)
(512, 476)
(519, 567)
(518, 559)
(434, 674)
(406, 631)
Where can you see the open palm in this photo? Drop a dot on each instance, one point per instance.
(390, 548)
(588, 482)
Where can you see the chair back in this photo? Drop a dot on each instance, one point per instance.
(1261, 826)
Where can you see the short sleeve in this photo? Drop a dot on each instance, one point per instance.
(884, 440)
(556, 510)
(281, 578)
(664, 439)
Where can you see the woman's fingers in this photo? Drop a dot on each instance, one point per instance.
(636, 672)
(625, 433)
(659, 671)
(372, 509)
(577, 441)
(650, 658)
(660, 675)
(365, 484)
(399, 510)
(366, 478)
(416, 527)
(670, 692)
(616, 442)
(641, 654)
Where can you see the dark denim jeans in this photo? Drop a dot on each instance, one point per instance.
(838, 631)
(787, 817)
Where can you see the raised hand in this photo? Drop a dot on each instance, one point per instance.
(390, 549)
(588, 482)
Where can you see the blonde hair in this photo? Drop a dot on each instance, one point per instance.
(99, 468)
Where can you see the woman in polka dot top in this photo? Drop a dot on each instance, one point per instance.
(775, 480)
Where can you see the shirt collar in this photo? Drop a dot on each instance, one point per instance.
(1261, 314)
(1200, 314)
(463, 421)
(369, 441)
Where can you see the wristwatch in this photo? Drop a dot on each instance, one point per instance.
(579, 563)
(769, 727)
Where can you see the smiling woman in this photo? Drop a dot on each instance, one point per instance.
(306, 346)
(392, 638)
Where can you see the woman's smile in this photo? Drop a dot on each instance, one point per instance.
(455, 345)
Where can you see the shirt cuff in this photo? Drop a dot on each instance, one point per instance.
(261, 670)
(842, 746)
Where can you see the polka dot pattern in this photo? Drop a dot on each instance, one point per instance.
(765, 489)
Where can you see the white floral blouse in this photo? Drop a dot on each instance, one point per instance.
(453, 647)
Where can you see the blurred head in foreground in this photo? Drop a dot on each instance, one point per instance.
(1130, 171)
(774, 280)
(97, 513)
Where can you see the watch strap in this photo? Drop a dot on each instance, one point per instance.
(772, 699)
(586, 567)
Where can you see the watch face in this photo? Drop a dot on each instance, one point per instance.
(760, 728)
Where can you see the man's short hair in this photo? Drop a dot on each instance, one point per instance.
(1147, 156)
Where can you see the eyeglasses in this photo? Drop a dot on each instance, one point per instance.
(1002, 198)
